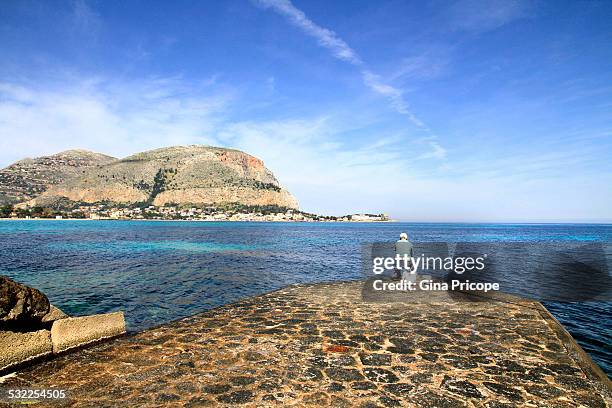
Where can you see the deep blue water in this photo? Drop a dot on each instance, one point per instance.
(160, 271)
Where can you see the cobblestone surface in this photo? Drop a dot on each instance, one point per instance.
(322, 345)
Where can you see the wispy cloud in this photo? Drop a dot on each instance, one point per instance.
(325, 37)
(476, 15)
(342, 51)
(437, 152)
(84, 18)
(394, 95)
(271, 83)
(424, 66)
(110, 116)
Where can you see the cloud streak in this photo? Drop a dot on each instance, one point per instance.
(341, 50)
(325, 37)
(479, 16)
(395, 96)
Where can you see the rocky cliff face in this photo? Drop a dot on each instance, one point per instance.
(29, 178)
(198, 175)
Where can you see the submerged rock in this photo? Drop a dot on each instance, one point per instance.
(20, 303)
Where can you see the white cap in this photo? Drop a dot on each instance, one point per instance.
(403, 235)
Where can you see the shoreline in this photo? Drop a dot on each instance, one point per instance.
(142, 219)
(328, 222)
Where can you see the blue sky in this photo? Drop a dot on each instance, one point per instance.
(429, 111)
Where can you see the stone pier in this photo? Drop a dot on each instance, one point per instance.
(324, 345)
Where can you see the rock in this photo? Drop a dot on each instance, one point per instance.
(216, 388)
(363, 385)
(344, 374)
(20, 303)
(237, 397)
(505, 390)
(399, 389)
(380, 375)
(375, 359)
(54, 314)
(462, 387)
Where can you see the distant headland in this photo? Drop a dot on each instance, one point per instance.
(172, 183)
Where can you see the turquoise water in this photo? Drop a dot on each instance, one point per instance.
(159, 271)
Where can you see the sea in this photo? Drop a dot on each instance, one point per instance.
(160, 271)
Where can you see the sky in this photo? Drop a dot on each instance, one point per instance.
(493, 111)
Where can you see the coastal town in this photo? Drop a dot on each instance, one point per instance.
(230, 212)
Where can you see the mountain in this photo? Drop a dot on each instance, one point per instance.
(28, 178)
(182, 175)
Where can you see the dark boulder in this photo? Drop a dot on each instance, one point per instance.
(20, 303)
